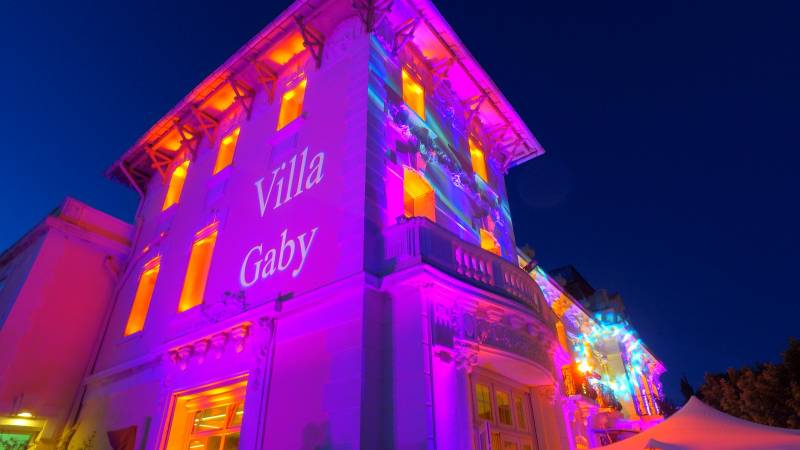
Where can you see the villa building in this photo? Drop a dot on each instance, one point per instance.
(323, 257)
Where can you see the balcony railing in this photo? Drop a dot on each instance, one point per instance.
(417, 240)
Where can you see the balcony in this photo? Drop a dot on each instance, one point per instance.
(420, 241)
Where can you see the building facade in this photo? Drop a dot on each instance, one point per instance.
(323, 257)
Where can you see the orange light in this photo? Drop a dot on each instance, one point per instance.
(194, 285)
(489, 242)
(141, 302)
(286, 49)
(292, 104)
(478, 160)
(227, 147)
(222, 99)
(175, 185)
(419, 198)
(413, 94)
(584, 367)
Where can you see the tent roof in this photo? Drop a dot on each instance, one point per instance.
(699, 426)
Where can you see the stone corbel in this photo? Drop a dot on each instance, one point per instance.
(466, 355)
(218, 342)
(239, 336)
(199, 350)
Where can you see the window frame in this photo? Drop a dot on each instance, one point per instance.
(300, 84)
(521, 434)
(417, 103)
(174, 192)
(185, 303)
(177, 430)
(151, 266)
(233, 135)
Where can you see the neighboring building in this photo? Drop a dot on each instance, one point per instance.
(324, 258)
(56, 285)
(613, 382)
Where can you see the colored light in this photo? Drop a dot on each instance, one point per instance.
(292, 104)
(413, 94)
(25, 414)
(194, 284)
(175, 188)
(226, 149)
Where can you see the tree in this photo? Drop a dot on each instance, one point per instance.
(686, 389)
(768, 393)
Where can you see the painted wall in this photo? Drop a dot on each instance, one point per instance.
(59, 289)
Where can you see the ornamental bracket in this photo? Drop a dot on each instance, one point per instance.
(312, 39)
(245, 94)
(160, 160)
(474, 104)
(205, 121)
(266, 76)
(372, 11)
(404, 34)
(189, 137)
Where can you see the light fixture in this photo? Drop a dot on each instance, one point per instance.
(25, 414)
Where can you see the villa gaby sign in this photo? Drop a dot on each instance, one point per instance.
(289, 180)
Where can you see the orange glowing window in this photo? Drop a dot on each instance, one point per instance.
(141, 302)
(175, 185)
(419, 198)
(413, 94)
(227, 146)
(489, 242)
(208, 420)
(292, 104)
(194, 285)
(478, 160)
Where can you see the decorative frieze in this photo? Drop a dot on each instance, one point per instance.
(214, 345)
(458, 329)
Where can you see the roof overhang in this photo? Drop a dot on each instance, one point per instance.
(290, 36)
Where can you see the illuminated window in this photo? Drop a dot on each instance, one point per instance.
(503, 410)
(478, 160)
(175, 185)
(419, 198)
(208, 420)
(141, 302)
(194, 285)
(483, 401)
(292, 104)
(503, 407)
(489, 242)
(413, 94)
(227, 146)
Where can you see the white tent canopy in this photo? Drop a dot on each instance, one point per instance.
(698, 426)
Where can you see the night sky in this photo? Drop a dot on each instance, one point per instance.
(670, 129)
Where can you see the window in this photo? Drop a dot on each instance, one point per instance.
(194, 285)
(175, 188)
(208, 420)
(489, 242)
(292, 104)
(413, 94)
(504, 408)
(478, 161)
(227, 146)
(502, 411)
(141, 301)
(419, 198)
(483, 401)
(519, 413)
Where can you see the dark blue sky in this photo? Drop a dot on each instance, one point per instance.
(671, 131)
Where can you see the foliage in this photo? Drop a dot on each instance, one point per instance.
(12, 442)
(768, 393)
(686, 389)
